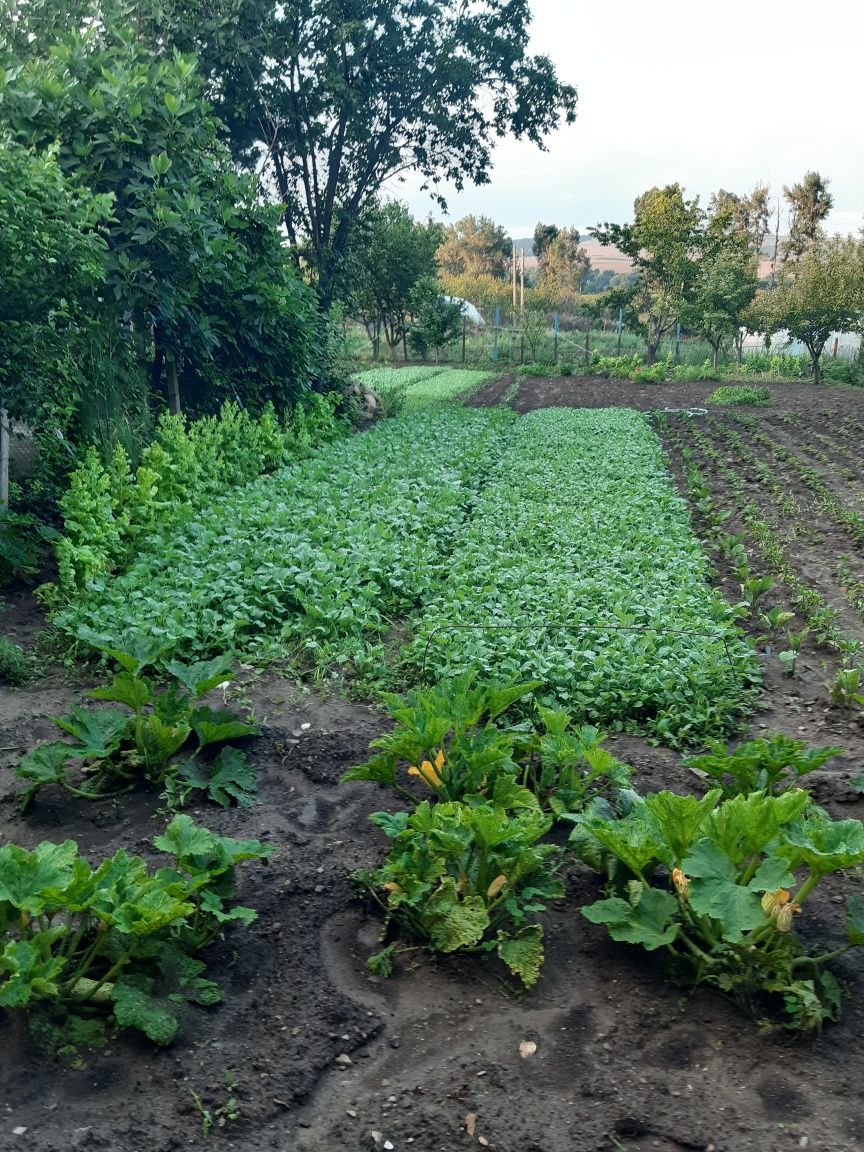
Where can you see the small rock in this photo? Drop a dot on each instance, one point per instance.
(19, 1131)
(344, 1060)
(395, 1041)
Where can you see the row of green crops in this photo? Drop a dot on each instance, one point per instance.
(579, 569)
(320, 556)
(552, 547)
(426, 386)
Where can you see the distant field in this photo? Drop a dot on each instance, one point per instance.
(425, 386)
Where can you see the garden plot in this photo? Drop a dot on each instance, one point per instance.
(556, 542)
(425, 386)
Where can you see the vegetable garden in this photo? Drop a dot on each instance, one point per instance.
(596, 677)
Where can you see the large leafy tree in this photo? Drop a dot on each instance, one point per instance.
(194, 264)
(563, 266)
(725, 281)
(809, 203)
(475, 245)
(662, 241)
(823, 292)
(333, 98)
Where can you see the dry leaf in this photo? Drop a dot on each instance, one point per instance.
(527, 1048)
(471, 1123)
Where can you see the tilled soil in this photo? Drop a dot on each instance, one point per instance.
(328, 1058)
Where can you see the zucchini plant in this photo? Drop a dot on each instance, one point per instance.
(467, 876)
(719, 885)
(118, 944)
(145, 738)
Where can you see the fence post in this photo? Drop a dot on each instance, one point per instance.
(555, 325)
(620, 328)
(464, 330)
(836, 347)
(4, 458)
(587, 348)
(677, 343)
(497, 326)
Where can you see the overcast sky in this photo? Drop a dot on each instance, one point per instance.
(710, 95)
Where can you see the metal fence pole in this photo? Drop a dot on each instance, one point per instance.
(497, 326)
(620, 328)
(555, 325)
(4, 458)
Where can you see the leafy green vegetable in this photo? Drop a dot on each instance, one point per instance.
(730, 889)
(120, 747)
(774, 764)
(117, 939)
(467, 877)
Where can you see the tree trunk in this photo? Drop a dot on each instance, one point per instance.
(651, 346)
(814, 359)
(715, 352)
(173, 387)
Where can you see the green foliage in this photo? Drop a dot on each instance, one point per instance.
(822, 293)
(133, 257)
(118, 941)
(317, 560)
(630, 368)
(424, 387)
(731, 883)
(390, 253)
(741, 394)
(455, 738)
(109, 512)
(847, 690)
(775, 764)
(469, 877)
(14, 665)
(117, 747)
(436, 320)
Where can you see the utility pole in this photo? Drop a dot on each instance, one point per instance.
(513, 270)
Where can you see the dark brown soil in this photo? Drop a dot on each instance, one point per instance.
(623, 1061)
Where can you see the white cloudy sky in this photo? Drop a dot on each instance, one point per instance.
(711, 95)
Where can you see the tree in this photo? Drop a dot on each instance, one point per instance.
(662, 242)
(344, 95)
(751, 213)
(823, 292)
(563, 265)
(544, 234)
(194, 267)
(476, 245)
(809, 204)
(437, 320)
(392, 253)
(723, 290)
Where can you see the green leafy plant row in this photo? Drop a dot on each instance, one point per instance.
(579, 569)
(118, 943)
(314, 561)
(740, 394)
(111, 511)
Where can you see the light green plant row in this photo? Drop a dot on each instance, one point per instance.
(579, 569)
(111, 510)
(425, 387)
(316, 560)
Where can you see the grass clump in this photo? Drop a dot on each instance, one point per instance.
(741, 394)
(14, 666)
